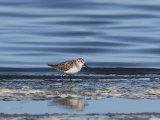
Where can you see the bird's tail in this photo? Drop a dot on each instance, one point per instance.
(52, 65)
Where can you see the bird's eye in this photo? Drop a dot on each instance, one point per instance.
(81, 61)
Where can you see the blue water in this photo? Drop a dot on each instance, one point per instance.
(106, 33)
(102, 106)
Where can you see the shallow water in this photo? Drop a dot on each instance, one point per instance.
(89, 84)
(106, 33)
(118, 90)
(79, 106)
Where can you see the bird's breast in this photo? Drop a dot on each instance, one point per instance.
(72, 70)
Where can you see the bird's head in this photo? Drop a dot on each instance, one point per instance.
(81, 62)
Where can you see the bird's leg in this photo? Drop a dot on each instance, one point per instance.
(70, 78)
(62, 77)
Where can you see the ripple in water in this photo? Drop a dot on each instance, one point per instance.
(105, 33)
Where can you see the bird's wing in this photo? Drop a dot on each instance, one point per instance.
(65, 65)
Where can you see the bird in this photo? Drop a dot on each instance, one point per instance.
(69, 67)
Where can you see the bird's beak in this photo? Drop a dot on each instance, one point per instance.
(85, 65)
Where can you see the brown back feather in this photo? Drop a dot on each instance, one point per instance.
(64, 66)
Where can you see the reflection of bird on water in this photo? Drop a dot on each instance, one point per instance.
(70, 103)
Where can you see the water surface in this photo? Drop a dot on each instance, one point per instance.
(106, 33)
(81, 107)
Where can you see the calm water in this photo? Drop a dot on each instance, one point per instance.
(74, 106)
(115, 33)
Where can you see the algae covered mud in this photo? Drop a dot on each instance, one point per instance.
(31, 93)
(93, 83)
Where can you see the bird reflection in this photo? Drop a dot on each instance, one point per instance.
(69, 103)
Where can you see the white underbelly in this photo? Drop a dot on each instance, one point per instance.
(72, 70)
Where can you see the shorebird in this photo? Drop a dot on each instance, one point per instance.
(69, 67)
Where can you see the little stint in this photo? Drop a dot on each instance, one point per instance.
(69, 67)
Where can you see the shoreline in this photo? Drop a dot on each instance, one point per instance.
(93, 116)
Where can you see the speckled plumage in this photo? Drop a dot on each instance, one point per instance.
(64, 66)
(69, 67)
